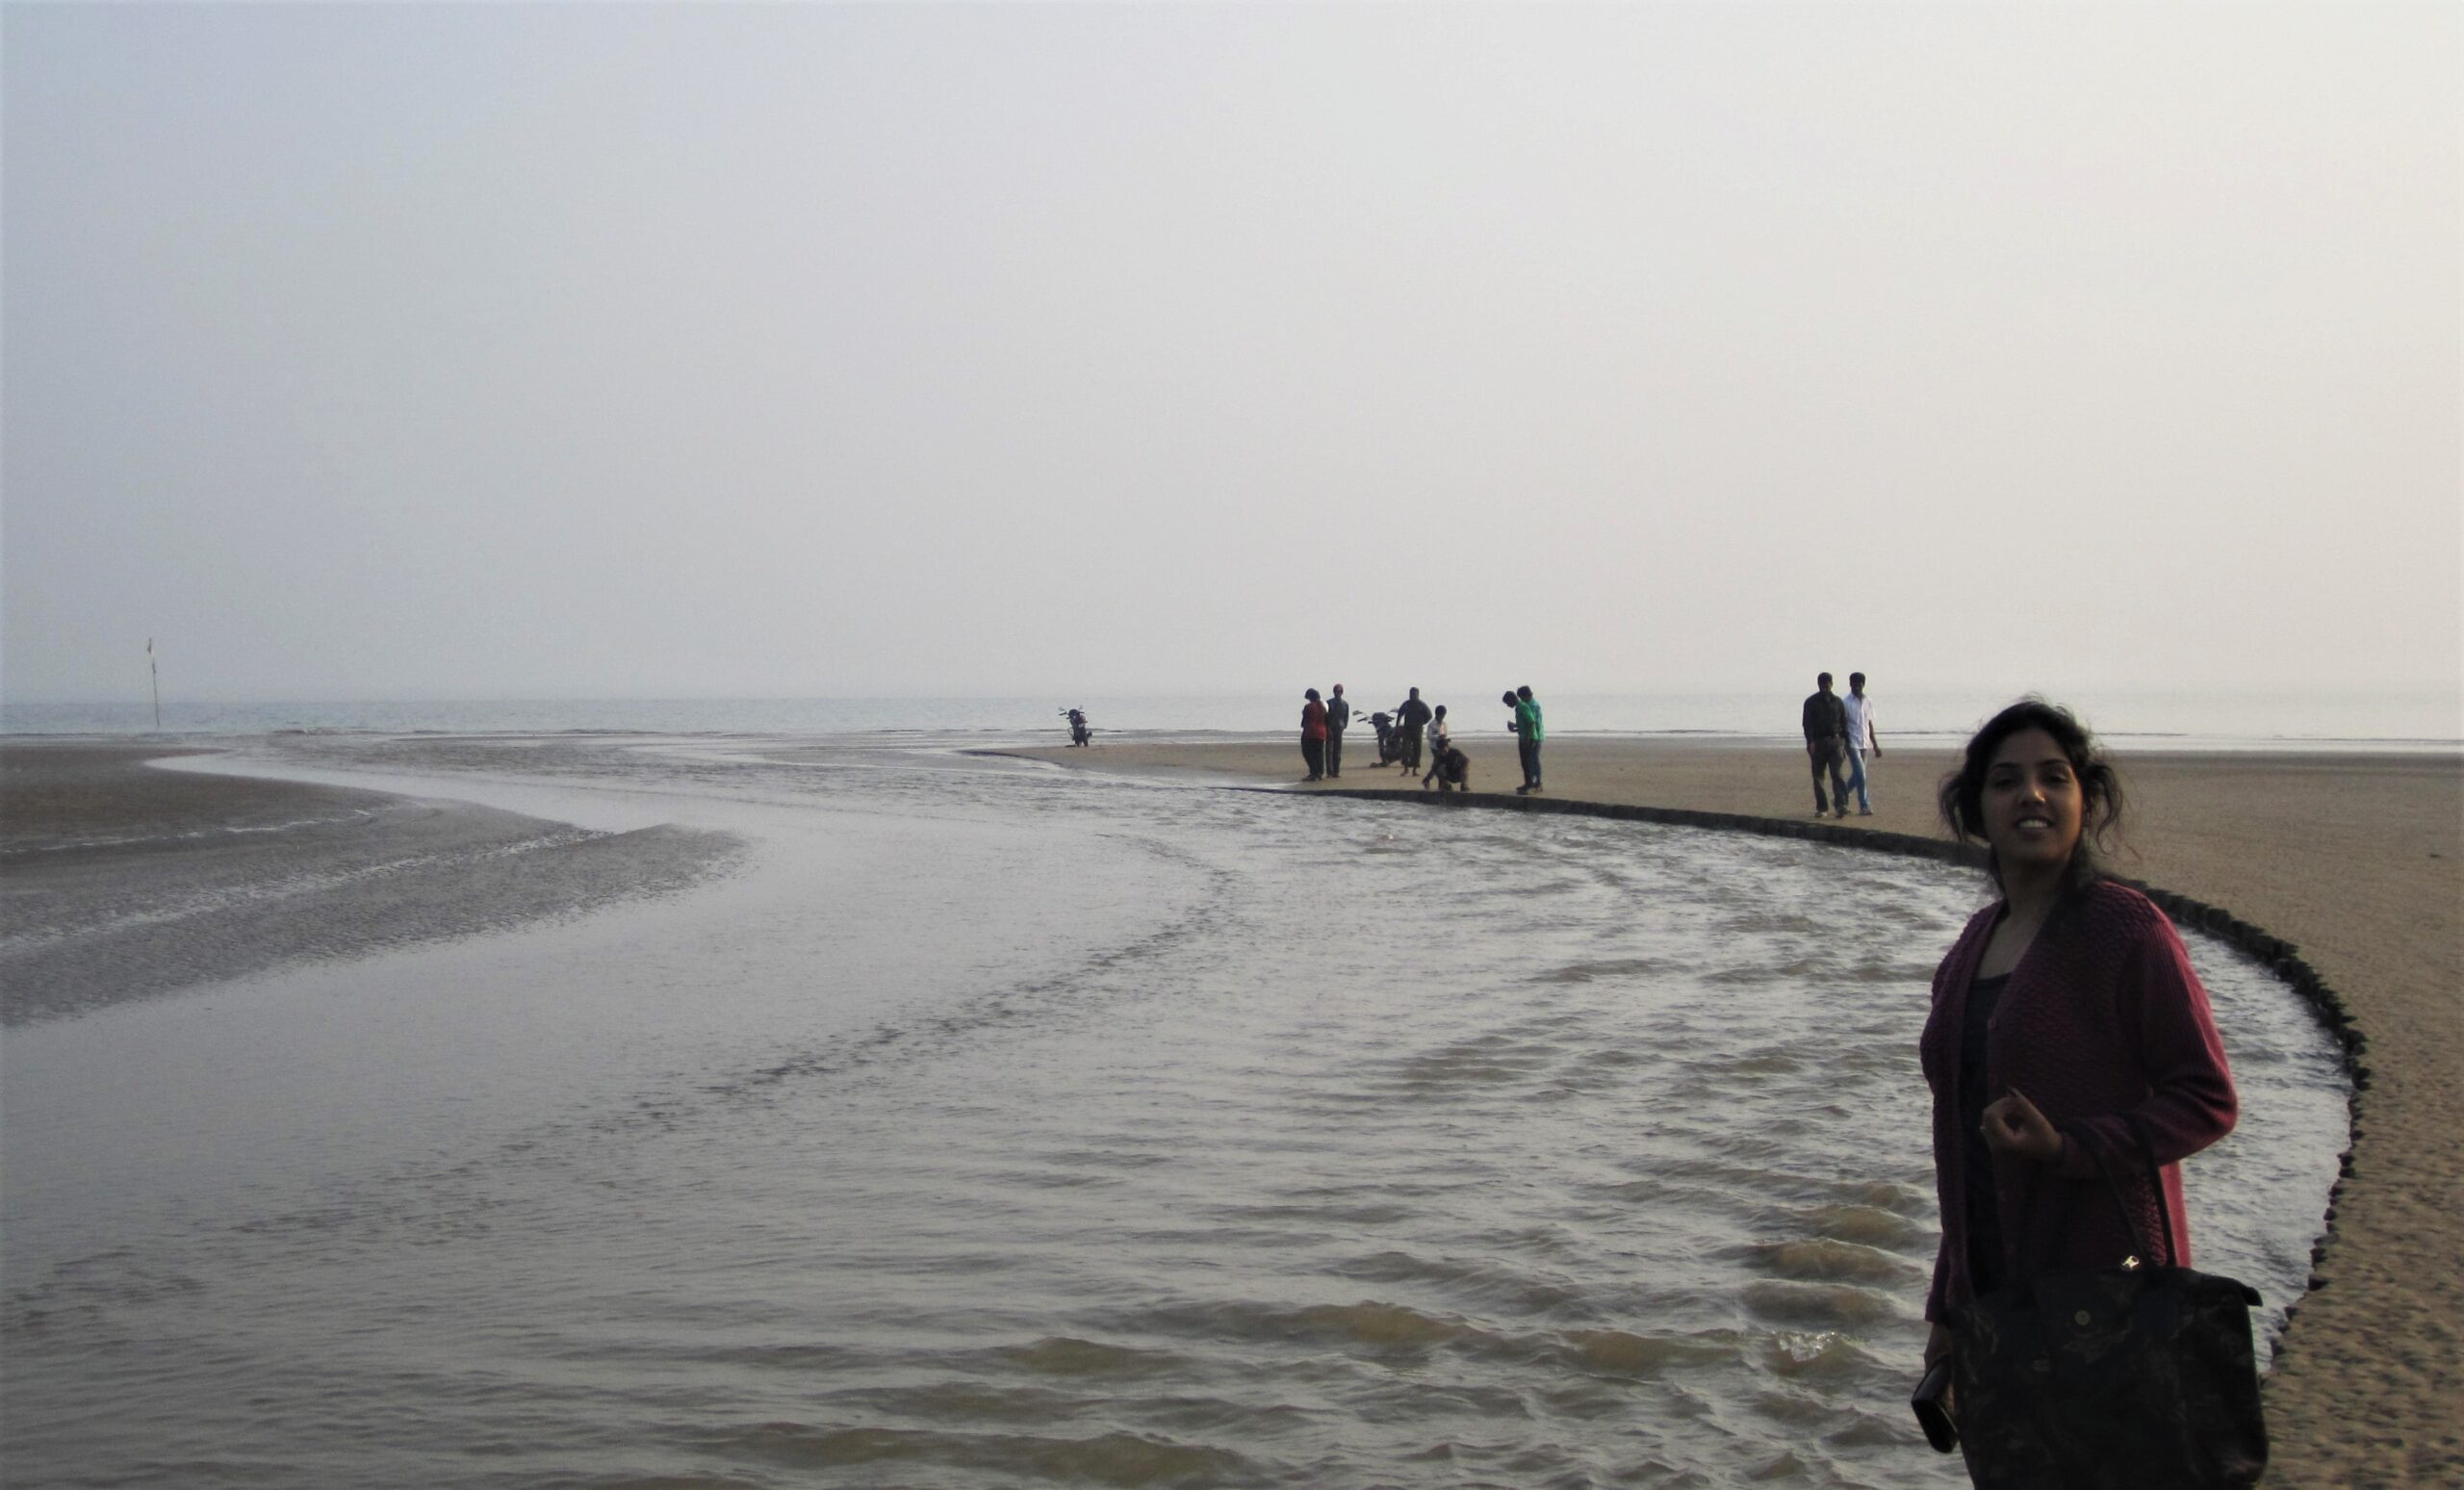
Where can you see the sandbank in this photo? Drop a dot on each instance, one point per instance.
(120, 882)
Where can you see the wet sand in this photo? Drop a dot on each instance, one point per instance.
(124, 881)
(2358, 859)
(67, 796)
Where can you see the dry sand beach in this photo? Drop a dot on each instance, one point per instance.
(2356, 859)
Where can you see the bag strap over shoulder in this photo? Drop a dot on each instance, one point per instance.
(2122, 1203)
(2146, 1154)
(2095, 1150)
(2155, 1185)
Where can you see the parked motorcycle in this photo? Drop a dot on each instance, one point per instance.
(1080, 732)
(1390, 739)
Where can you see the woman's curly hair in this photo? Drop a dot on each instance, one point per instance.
(1961, 797)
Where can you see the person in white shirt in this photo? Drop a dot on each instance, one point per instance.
(1862, 740)
(1440, 737)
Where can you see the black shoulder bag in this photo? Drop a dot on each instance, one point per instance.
(2134, 1377)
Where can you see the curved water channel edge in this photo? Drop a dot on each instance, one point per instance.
(2280, 956)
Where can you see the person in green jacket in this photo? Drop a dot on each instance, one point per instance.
(1528, 734)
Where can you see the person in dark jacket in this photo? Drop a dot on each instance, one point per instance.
(1412, 716)
(1312, 735)
(1338, 720)
(2066, 1015)
(1826, 722)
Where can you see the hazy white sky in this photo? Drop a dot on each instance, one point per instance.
(477, 350)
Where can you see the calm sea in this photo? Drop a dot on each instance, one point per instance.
(996, 1125)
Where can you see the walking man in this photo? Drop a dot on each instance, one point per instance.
(1862, 742)
(1338, 717)
(1826, 725)
(1412, 715)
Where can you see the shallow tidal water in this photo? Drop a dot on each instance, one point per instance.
(992, 1125)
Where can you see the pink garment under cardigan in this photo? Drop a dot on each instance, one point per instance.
(2102, 1016)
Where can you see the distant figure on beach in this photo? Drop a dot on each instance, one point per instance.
(1452, 769)
(1412, 716)
(1338, 720)
(1826, 725)
(2067, 1026)
(1312, 735)
(1527, 735)
(1439, 737)
(1863, 743)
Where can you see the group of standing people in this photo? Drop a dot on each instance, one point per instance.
(1414, 725)
(1839, 733)
(1840, 740)
(1322, 733)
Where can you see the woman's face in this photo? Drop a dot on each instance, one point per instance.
(2033, 806)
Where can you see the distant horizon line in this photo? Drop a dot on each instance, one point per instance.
(2418, 690)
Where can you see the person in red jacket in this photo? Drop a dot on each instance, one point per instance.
(2066, 1015)
(1312, 735)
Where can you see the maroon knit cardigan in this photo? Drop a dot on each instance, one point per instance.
(2102, 1016)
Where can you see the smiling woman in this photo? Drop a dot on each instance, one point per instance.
(2067, 1030)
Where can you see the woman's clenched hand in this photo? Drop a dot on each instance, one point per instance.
(2014, 1126)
